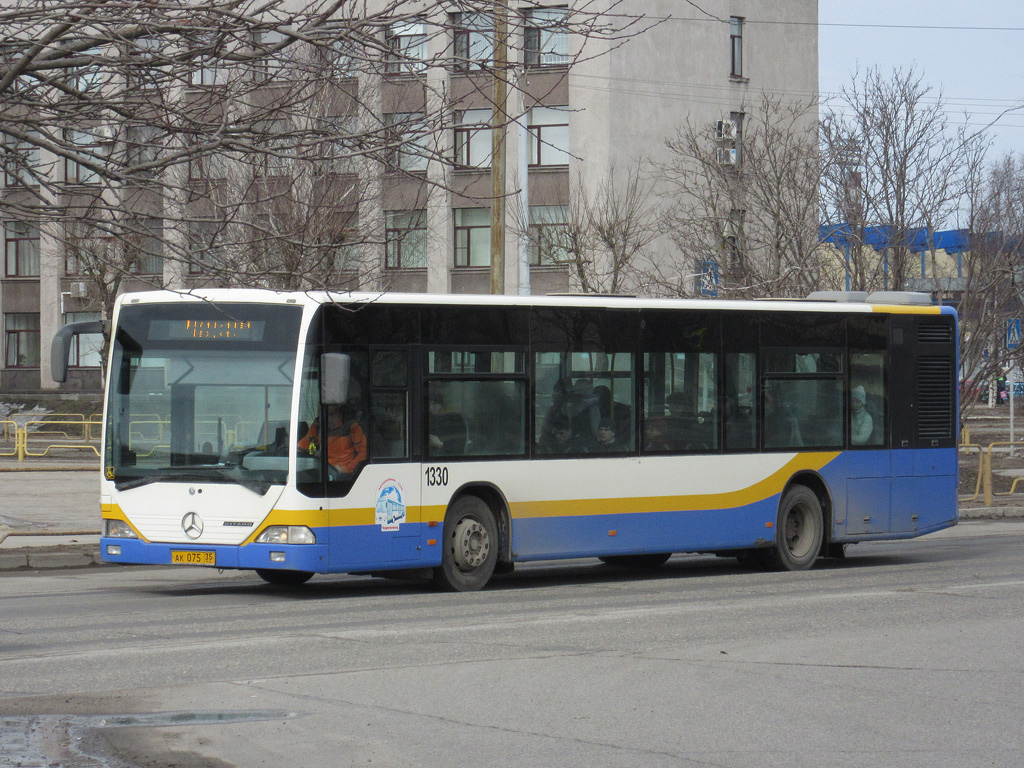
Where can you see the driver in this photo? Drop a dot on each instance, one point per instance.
(346, 440)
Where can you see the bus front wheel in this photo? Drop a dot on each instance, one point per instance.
(798, 531)
(470, 539)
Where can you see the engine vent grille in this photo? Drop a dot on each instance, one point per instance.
(935, 398)
(935, 334)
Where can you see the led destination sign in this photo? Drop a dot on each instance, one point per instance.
(207, 330)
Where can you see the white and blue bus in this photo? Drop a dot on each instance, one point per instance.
(479, 431)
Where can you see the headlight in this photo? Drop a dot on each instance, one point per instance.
(287, 534)
(118, 529)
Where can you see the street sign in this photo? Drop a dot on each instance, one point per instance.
(1013, 333)
(709, 278)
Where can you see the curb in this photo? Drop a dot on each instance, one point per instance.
(42, 558)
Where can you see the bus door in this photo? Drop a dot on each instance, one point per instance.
(391, 479)
(362, 458)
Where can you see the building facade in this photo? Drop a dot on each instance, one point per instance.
(586, 110)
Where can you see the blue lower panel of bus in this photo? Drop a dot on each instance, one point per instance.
(621, 534)
(307, 557)
(354, 548)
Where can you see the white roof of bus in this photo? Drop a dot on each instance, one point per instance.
(588, 300)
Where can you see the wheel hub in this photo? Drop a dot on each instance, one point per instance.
(470, 544)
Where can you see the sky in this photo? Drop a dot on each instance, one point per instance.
(970, 50)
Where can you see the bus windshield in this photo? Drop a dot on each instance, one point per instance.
(201, 392)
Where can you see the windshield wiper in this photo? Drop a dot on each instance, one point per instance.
(205, 473)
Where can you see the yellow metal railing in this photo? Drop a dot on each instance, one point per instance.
(987, 472)
(981, 466)
(73, 432)
(12, 433)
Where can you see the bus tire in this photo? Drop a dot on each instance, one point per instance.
(284, 578)
(636, 561)
(470, 539)
(798, 531)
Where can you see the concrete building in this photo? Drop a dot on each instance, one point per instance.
(590, 109)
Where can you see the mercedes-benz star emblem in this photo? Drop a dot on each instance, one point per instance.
(192, 525)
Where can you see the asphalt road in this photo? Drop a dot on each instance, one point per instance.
(907, 654)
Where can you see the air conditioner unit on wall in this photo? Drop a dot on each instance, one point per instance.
(727, 155)
(726, 130)
(79, 289)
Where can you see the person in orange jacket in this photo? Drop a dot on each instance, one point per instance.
(346, 440)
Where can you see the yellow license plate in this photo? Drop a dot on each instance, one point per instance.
(180, 557)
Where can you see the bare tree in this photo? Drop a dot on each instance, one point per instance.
(992, 277)
(744, 201)
(247, 130)
(603, 237)
(894, 166)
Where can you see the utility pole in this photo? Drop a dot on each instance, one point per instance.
(499, 129)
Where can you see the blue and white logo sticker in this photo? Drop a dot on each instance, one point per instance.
(390, 505)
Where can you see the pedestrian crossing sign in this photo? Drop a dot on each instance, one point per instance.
(1013, 333)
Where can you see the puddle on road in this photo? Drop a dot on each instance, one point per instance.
(40, 741)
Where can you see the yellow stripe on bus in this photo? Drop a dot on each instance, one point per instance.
(900, 309)
(770, 486)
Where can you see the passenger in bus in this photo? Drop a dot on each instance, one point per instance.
(556, 435)
(346, 440)
(674, 431)
(448, 432)
(861, 424)
(782, 427)
(606, 440)
(739, 425)
(619, 412)
(583, 411)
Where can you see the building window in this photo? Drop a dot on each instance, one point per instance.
(206, 251)
(733, 238)
(549, 230)
(21, 339)
(472, 237)
(208, 167)
(409, 141)
(473, 143)
(87, 79)
(21, 160)
(473, 40)
(406, 48)
(268, 45)
(736, 46)
(142, 65)
(276, 146)
(91, 146)
(208, 68)
(549, 135)
(145, 248)
(86, 349)
(546, 38)
(21, 245)
(406, 238)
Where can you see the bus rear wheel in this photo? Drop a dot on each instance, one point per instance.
(284, 578)
(798, 531)
(470, 539)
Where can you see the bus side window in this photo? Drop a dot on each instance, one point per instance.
(867, 401)
(740, 401)
(389, 404)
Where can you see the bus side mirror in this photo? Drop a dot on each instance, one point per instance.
(61, 347)
(335, 369)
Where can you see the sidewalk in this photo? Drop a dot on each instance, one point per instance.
(50, 516)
